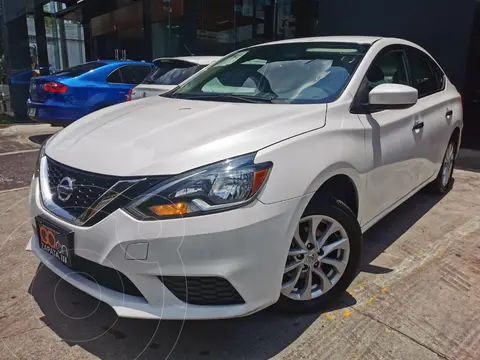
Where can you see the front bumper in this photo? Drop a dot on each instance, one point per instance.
(246, 246)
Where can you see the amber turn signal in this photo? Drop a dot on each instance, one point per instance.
(258, 179)
(170, 209)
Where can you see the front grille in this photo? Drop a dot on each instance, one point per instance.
(105, 276)
(88, 187)
(202, 290)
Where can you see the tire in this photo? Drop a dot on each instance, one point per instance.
(335, 213)
(443, 185)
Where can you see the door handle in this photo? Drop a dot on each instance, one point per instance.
(418, 126)
(449, 114)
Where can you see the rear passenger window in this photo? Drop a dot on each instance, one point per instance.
(115, 77)
(139, 73)
(427, 78)
(132, 75)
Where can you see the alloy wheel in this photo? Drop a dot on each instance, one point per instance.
(447, 167)
(317, 258)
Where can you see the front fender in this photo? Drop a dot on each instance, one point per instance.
(302, 164)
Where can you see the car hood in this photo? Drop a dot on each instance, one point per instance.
(157, 136)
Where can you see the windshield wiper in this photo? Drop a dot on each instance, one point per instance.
(254, 99)
(243, 98)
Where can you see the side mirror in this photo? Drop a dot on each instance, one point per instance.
(392, 96)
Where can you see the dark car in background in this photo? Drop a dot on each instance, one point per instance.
(66, 96)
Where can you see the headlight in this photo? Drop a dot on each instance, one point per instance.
(217, 187)
(41, 154)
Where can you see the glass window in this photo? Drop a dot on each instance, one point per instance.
(140, 73)
(171, 72)
(115, 77)
(425, 77)
(390, 68)
(133, 75)
(283, 73)
(80, 69)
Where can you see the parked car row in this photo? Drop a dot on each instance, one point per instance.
(247, 185)
(66, 96)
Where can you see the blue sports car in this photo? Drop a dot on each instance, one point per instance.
(66, 96)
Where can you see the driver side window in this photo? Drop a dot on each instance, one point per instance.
(387, 68)
(390, 68)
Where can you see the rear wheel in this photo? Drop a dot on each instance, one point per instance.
(443, 182)
(323, 258)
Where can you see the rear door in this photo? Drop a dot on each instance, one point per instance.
(167, 74)
(437, 106)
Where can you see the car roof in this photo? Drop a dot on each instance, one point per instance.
(200, 60)
(122, 62)
(340, 39)
(361, 40)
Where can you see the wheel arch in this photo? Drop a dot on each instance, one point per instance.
(341, 187)
(456, 135)
(341, 181)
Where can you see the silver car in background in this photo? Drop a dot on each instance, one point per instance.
(168, 73)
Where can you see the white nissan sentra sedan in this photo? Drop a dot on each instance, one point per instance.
(249, 184)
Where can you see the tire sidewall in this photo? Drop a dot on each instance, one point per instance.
(445, 188)
(340, 212)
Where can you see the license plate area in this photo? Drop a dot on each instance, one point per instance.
(55, 240)
(32, 112)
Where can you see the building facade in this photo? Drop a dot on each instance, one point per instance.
(147, 29)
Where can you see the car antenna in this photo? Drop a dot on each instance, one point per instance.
(191, 54)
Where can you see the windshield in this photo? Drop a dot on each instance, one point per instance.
(80, 69)
(171, 72)
(299, 73)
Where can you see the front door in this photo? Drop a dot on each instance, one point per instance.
(391, 142)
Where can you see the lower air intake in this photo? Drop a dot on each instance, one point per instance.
(202, 290)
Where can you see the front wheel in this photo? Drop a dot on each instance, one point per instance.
(323, 257)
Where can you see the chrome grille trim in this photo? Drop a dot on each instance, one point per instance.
(111, 194)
